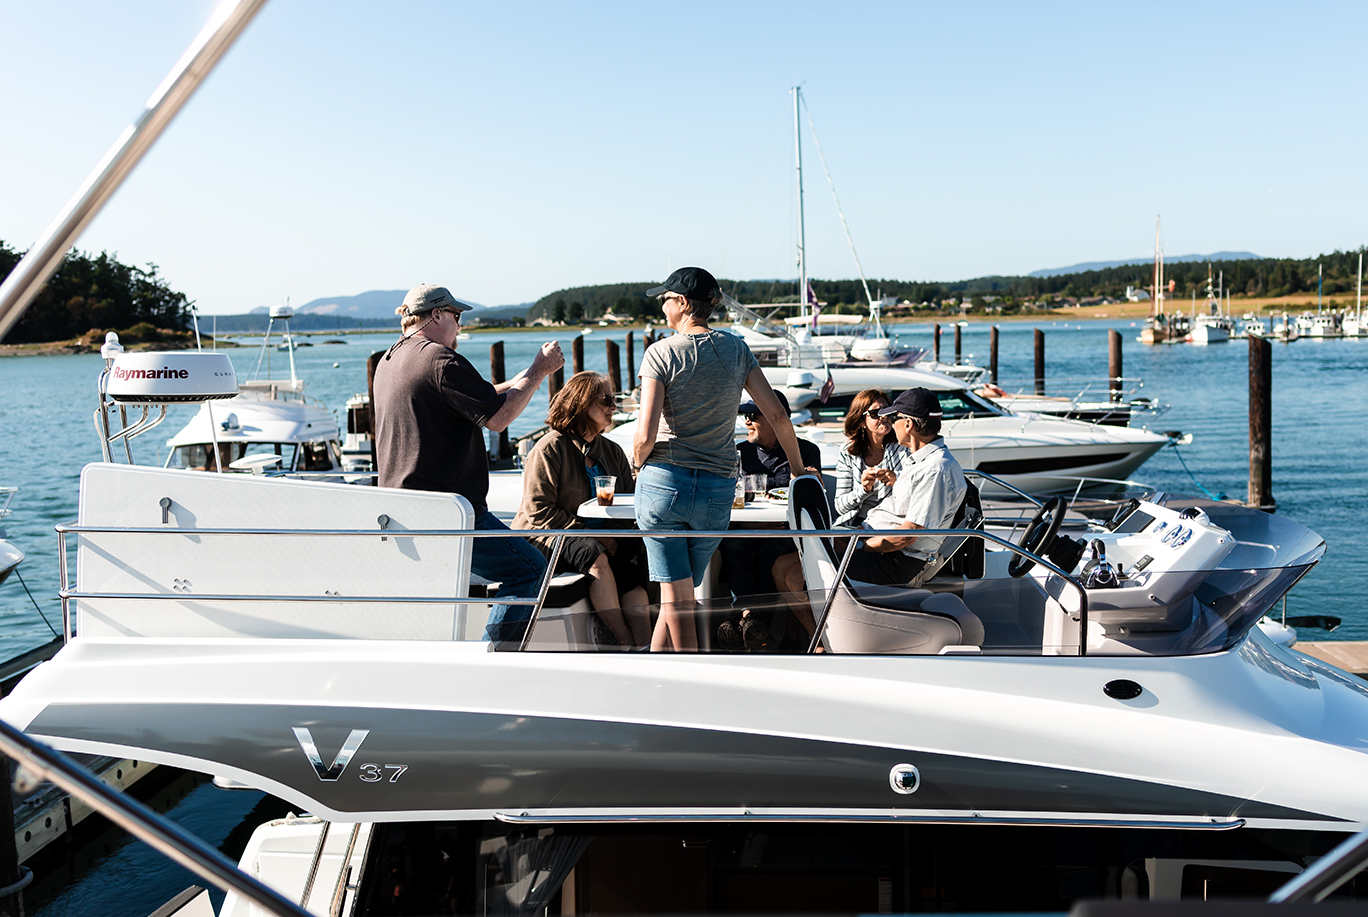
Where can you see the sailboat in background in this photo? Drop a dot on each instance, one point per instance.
(823, 340)
(1156, 329)
(1354, 325)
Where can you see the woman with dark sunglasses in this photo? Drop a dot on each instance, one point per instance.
(558, 476)
(871, 461)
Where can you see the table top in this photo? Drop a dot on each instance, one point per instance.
(623, 508)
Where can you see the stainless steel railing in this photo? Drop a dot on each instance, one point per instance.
(66, 593)
(42, 762)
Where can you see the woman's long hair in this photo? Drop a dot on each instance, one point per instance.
(569, 411)
(855, 430)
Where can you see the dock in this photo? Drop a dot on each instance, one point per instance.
(1349, 655)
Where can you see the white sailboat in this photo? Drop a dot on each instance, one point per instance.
(1354, 326)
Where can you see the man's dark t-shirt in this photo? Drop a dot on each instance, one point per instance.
(755, 460)
(430, 408)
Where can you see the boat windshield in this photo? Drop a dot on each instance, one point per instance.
(960, 403)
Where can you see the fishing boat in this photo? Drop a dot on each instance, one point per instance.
(1214, 325)
(268, 417)
(1321, 323)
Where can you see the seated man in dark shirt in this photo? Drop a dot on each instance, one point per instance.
(748, 562)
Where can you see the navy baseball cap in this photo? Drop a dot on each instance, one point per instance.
(915, 402)
(750, 407)
(690, 282)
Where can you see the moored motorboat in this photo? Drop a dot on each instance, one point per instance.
(10, 556)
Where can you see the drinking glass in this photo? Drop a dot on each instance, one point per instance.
(739, 501)
(605, 485)
(755, 486)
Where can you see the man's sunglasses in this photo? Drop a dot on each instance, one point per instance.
(753, 416)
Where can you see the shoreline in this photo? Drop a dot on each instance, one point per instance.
(1264, 307)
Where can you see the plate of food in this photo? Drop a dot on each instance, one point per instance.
(777, 494)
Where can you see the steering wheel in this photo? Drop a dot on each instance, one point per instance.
(1039, 534)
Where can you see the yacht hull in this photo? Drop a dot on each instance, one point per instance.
(452, 731)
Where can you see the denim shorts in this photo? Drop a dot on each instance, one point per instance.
(670, 497)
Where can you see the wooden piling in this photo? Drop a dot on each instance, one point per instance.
(614, 365)
(577, 354)
(1114, 363)
(958, 329)
(496, 375)
(992, 355)
(1039, 362)
(935, 342)
(631, 362)
(554, 383)
(1261, 424)
(371, 362)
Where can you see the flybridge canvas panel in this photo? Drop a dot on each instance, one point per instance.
(179, 561)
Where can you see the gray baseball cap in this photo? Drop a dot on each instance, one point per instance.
(425, 297)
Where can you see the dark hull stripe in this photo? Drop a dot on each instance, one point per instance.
(463, 761)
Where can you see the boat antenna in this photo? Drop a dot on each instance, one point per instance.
(194, 319)
(841, 213)
(802, 233)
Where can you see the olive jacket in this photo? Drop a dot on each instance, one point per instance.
(556, 482)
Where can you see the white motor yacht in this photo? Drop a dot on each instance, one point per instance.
(268, 417)
(1031, 726)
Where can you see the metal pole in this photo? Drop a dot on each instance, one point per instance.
(1039, 362)
(1261, 424)
(802, 230)
(163, 835)
(993, 355)
(45, 256)
(1114, 363)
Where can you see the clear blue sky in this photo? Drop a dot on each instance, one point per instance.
(511, 149)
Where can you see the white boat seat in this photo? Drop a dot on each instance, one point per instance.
(865, 618)
(566, 589)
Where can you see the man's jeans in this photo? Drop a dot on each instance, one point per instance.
(517, 566)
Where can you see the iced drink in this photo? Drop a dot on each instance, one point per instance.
(604, 487)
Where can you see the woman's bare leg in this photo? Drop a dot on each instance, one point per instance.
(675, 626)
(788, 576)
(603, 596)
(637, 615)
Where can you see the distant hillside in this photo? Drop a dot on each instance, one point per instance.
(380, 304)
(1147, 259)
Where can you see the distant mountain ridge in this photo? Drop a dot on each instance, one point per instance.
(381, 304)
(1168, 259)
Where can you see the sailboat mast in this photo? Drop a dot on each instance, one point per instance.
(1154, 300)
(1358, 307)
(1320, 279)
(802, 232)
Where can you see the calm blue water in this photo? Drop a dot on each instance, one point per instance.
(1320, 434)
(1320, 428)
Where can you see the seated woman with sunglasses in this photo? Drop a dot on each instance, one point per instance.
(558, 476)
(871, 462)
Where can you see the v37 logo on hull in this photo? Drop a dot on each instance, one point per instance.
(344, 754)
(370, 773)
